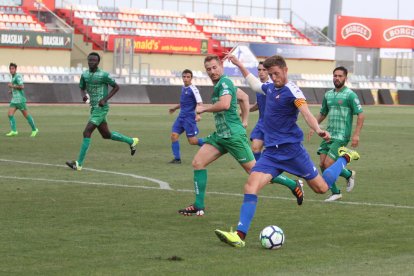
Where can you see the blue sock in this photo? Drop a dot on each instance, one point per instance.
(175, 146)
(200, 141)
(332, 173)
(257, 155)
(247, 211)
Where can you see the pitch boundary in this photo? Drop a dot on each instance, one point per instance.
(165, 186)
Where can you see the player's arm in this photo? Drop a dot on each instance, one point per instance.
(221, 105)
(198, 116)
(115, 88)
(82, 86)
(254, 107)
(357, 131)
(310, 119)
(173, 109)
(319, 119)
(252, 81)
(243, 100)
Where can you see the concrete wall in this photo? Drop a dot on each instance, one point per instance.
(165, 94)
(35, 57)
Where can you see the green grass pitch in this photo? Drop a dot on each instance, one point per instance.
(112, 219)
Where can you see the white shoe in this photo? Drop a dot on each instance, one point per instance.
(351, 182)
(333, 197)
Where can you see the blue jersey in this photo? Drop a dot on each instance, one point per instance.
(190, 97)
(281, 114)
(261, 103)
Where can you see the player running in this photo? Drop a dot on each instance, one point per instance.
(18, 101)
(94, 85)
(187, 119)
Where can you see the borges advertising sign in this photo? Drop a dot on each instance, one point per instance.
(374, 32)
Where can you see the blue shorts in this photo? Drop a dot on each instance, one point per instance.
(186, 124)
(291, 158)
(257, 132)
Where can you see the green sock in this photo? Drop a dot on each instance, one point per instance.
(31, 122)
(200, 184)
(335, 189)
(116, 136)
(12, 123)
(346, 173)
(285, 181)
(83, 150)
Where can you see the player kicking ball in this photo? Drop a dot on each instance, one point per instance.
(94, 87)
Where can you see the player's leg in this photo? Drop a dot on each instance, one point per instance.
(12, 120)
(31, 122)
(176, 130)
(209, 152)
(86, 141)
(331, 174)
(257, 146)
(256, 181)
(326, 161)
(175, 148)
(99, 119)
(191, 131)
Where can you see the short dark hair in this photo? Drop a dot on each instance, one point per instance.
(341, 68)
(274, 61)
(95, 54)
(12, 64)
(187, 71)
(211, 57)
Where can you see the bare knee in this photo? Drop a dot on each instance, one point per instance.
(197, 164)
(193, 141)
(174, 137)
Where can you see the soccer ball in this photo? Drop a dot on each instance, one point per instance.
(272, 237)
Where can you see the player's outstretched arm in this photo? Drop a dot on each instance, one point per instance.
(320, 119)
(311, 120)
(173, 109)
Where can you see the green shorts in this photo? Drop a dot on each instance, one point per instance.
(98, 115)
(19, 106)
(237, 145)
(331, 148)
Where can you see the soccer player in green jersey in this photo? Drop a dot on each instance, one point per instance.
(94, 87)
(341, 104)
(18, 101)
(229, 137)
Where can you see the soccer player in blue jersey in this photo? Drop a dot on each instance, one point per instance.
(229, 137)
(94, 86)
(18, 102)
(257, 134)
(283, 141)
(341, 104)
(187, 119)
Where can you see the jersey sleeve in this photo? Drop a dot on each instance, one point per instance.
(265, 86)
(324, 109)
(18, 80)
(196, 94)
(298, 97)
(355, 103)
(82, 83)
(109, 80)
(227, 88)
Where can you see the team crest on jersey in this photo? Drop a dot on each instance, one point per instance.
(340, 101)
(277, 97)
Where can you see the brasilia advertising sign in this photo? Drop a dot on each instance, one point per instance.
(374, 32)
(35, 40)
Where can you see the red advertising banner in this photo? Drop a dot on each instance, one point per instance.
(374, 32)
(164, 45)
(33, 5)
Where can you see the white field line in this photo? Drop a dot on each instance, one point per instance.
(163, 185)
(167, 187)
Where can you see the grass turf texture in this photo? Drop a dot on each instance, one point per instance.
(55, 221)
